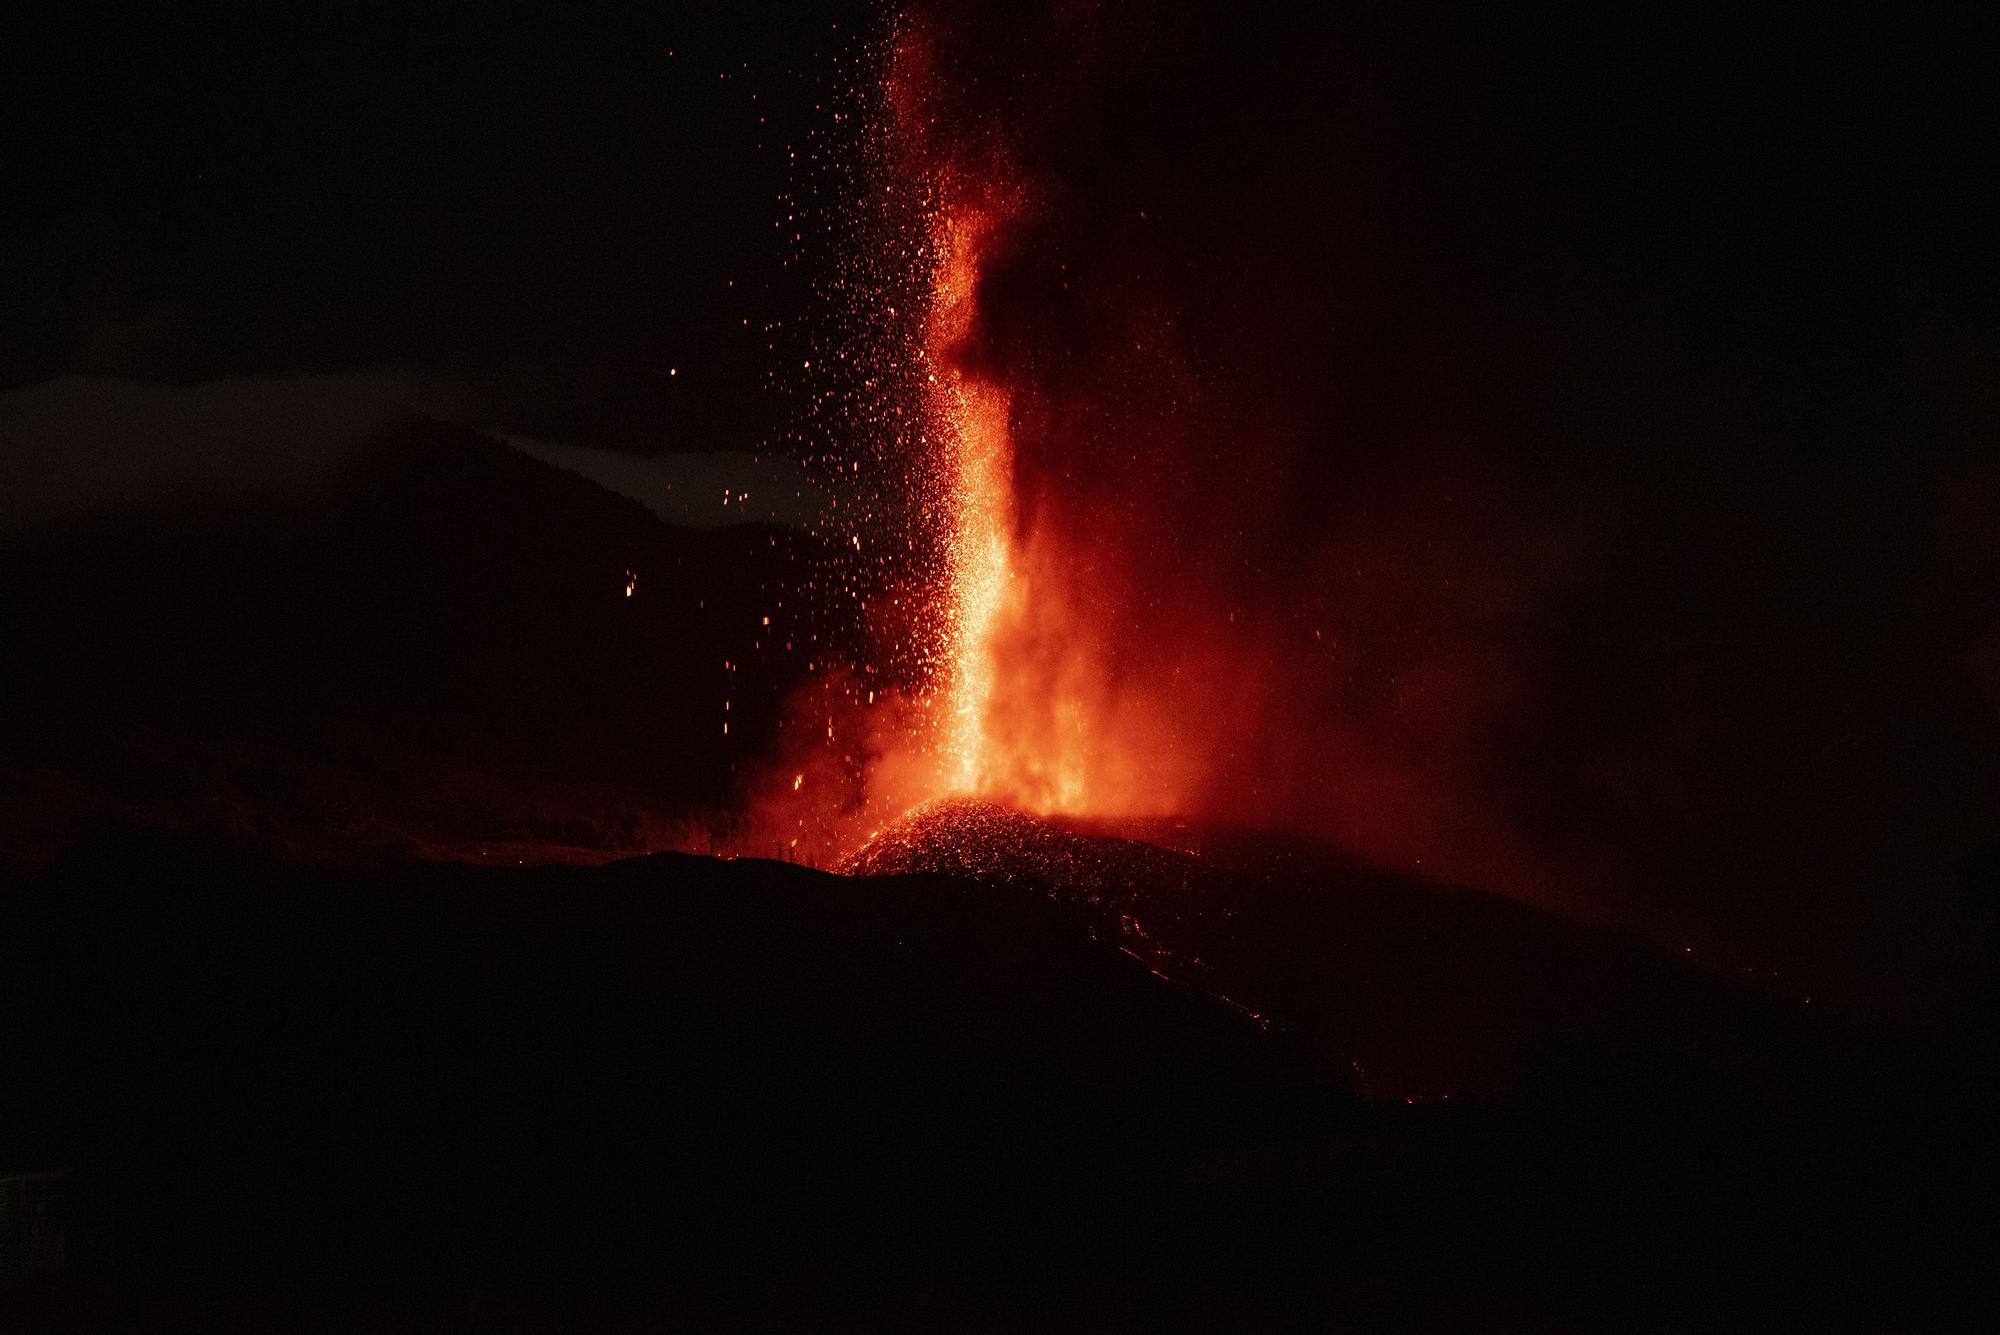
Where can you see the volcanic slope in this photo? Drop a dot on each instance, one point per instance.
(740, 1095)
(695, 1086)
(1421, 990)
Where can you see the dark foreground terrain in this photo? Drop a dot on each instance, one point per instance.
(684, 1093)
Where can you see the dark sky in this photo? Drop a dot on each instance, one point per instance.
(1621, 380)
(539, 208)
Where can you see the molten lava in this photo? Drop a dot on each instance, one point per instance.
(967, 416)
(1018, 657)
(1026, 711)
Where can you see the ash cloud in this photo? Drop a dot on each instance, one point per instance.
(1513, 450)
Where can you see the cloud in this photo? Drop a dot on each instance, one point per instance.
(79, 447)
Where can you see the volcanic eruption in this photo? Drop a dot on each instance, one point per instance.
(1016, 703)
(1217, 448)
(1375, 626)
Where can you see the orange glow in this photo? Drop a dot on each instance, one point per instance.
(969, 417)
(1028, 709)
(1065, 543)
(999, 627)
(1032, 712)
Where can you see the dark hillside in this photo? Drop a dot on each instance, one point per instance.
(445, 649)
(742, 1095)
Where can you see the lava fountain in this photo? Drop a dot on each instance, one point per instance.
(995, 677)
(967, 416)
(965, 437)
(1022, 712)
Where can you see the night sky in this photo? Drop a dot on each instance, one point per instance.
(527, 216)
(1618, 385)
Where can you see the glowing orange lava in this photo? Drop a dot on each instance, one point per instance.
(1026, 709)
(969, 416)
(1000, 617)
